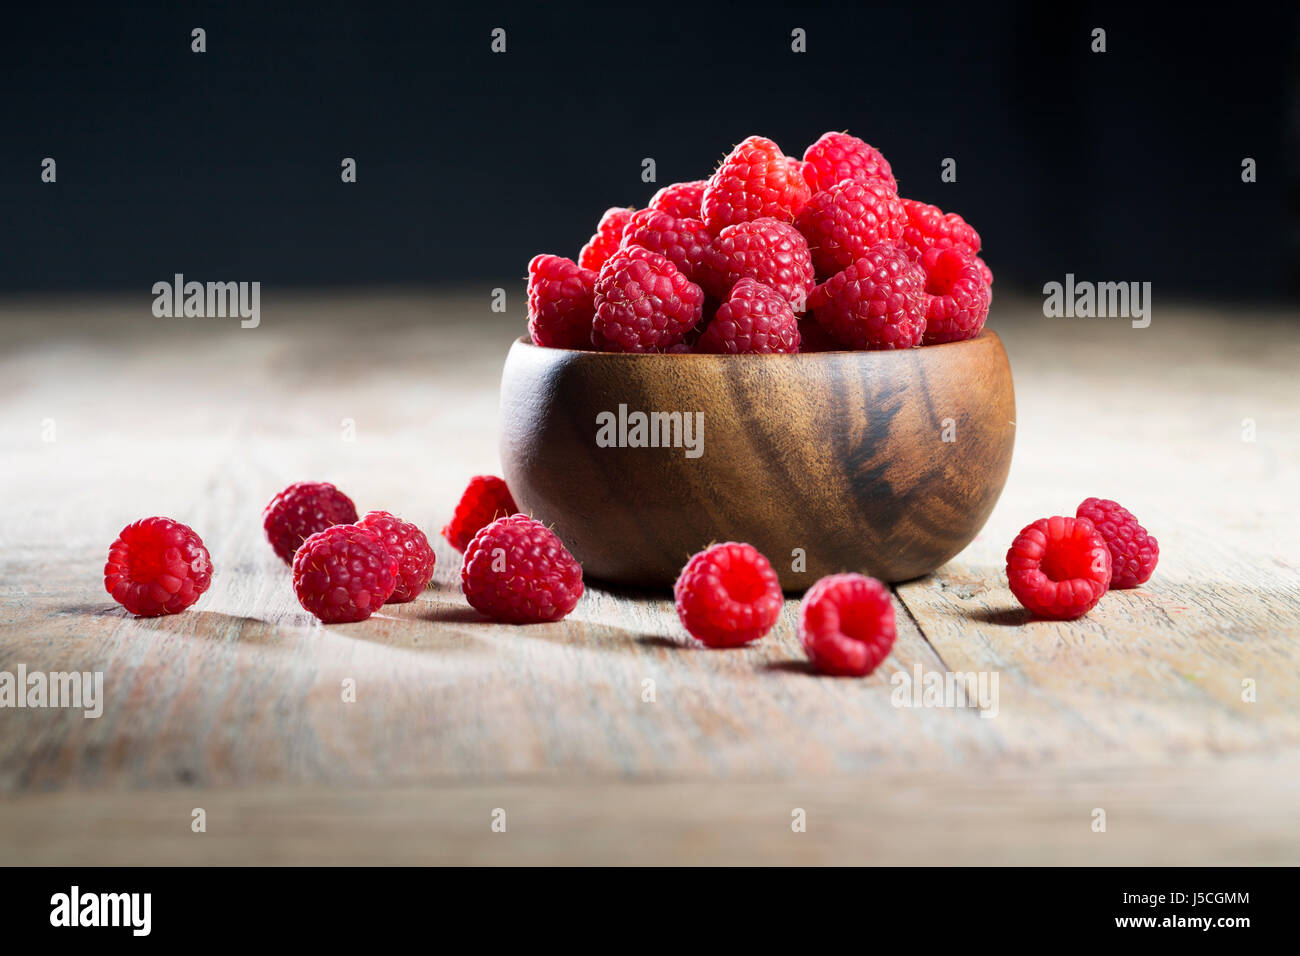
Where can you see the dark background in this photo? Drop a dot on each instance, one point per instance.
(225, 165)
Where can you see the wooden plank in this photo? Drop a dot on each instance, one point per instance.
(1225, 812)
(241, 701)
(1151, 418)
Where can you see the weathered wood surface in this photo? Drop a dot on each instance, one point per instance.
(238, 702)
(1235, 812)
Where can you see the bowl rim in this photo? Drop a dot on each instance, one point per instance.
(526, 341)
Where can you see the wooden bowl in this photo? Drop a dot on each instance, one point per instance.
(887, 463)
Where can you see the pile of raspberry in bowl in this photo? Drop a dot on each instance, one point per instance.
(770, 254)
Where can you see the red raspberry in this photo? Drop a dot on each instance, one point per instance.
(841, 223)
(755, 181)
(517, 571)
(728, 595)
(773, 253)
(680, 200)
(609, 233)
(813, 337)
(836, 157)
(1133, 552)
(643, 304)
(407, 543)
(301, 510)
(928, 226)
(846, 624)
(755, 319)
(797, 169)
(1059, 567)
(985, 271)
(157, 566)
(956, 296)
(344, 574)
(485, 499)
(560, 302)
(682, 241)
(876, 303)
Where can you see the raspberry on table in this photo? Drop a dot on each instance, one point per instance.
(608, 236)
(407, 543)
(846, 624)
(755, 181)
(643, 303)
(157, 566)
(680, 200)
(485, 499)
(517, 571)
(301, 510)
(755, 319)
(771, 252)
(842, 222)
(928, 226)
(876, 303)
(561, 302)
(836, 157)
(1059, 567)
(344, 574)
(728, 595)
(956, 296)
(1133, 552)
(682, 241)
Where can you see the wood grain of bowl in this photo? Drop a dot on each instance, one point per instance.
(887, 463)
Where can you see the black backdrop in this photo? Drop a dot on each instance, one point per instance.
(225, 165)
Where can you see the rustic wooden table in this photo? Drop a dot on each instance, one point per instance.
(1174, 708)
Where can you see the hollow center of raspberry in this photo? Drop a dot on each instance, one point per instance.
(145, 565)
(743, 585)
(1068, 559)
(146, 557)
(857, 622)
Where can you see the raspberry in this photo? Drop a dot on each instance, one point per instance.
(928, 226)
(609, 233)
(985, 271)
(344, 574)
(813, 337)
(755, 319)
(728, 595)
(841, 223)
(301, 510)
(680, 200)
(517, 571)
(485, 499)
(407, 543)
(956, 296)
(682, 241)
(774, 253)
(846, 624)
(836, 157)
(1133, 552)
(756, 180)
(643, 304)
(157, 566)
(876, 303)
(560, 302)
(797, 169)
(1059, 567)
